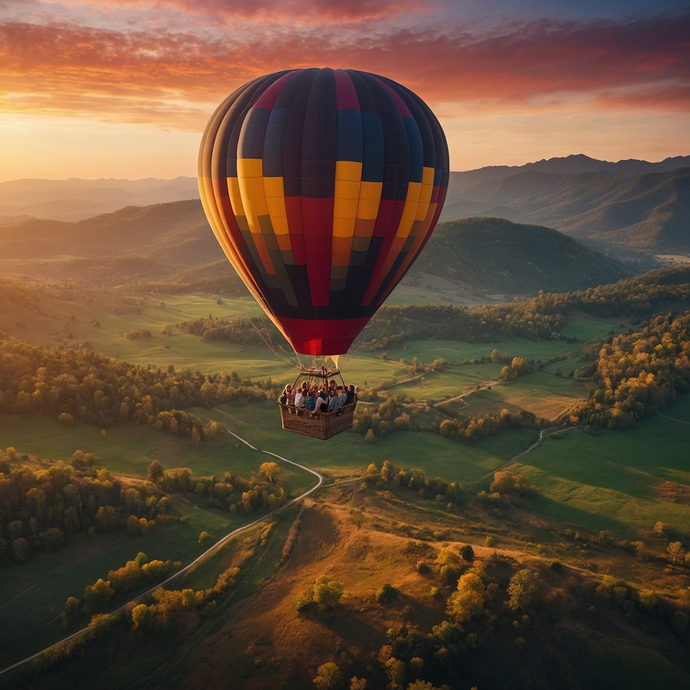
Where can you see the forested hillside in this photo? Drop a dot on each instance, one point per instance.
(503, 256)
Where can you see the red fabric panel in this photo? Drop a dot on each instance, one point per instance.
(402, 107)
(229, 217)
(386, 207)
(439, 193)
(293, 206)
(268, 97)
(345, 90)
(324, 337)
(390, 230)
(317, 223)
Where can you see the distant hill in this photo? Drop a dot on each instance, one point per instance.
(171, 247)
(570, 165)
(508, 257)
(77, 199)
(174, 233)
(649, 212)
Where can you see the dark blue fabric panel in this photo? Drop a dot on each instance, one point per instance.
(319, 142)
(350, 137)
(252, 142)
(273, 142)
(416, 152)
(397, 149)
(292, 147)
(229, 131)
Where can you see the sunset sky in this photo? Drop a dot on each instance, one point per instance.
(123, 88)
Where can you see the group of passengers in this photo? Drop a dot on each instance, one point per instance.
(325, 398)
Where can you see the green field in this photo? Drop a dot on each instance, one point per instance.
(623, 481)
(33, 594)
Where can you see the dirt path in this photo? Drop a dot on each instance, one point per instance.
(544, 433)
(200, 558)
(674, 419)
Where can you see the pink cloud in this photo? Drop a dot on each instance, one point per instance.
(136, 74)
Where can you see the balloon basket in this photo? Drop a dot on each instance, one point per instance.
(322, 425)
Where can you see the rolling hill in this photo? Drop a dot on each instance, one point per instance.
(646, 212)
(76, 199)
(629, 207)
(174, 244)
(497, 254)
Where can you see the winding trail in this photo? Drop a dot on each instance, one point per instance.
(542, 435)
(200, 558)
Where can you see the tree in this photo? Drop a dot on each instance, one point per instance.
(327, 592)
(72, 609)
(358, 683)
(21, 549)
(54, 539)
(203, 538)
(107, 518)
(676, 552)
(270, 471)
(523, 590)
(396, 672)
(144, 617)
(468, 601)
(97, 596)
(387, 594)
(155, 471)
(328, 677)
(467, 553)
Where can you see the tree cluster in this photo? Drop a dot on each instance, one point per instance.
(417, 481)
(42, 509)
(247, 332)
(637, 375)
(230, 492)
(79, 385)
(535, 319)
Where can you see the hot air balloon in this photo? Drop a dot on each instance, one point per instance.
(322, 186)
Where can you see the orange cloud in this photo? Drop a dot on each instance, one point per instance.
(164, 76)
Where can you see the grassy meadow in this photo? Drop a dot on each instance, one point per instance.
(622, 481)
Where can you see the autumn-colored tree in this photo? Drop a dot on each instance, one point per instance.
(270, 471)
(523, 590)
(155, 471)
(468, 600)
(328, 677)
(327, 592)
(97, 596)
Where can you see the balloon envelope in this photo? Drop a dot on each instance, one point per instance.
(322, 186)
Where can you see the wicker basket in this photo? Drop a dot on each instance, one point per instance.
(323, 425)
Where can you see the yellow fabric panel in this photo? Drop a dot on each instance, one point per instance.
(370, 190)
(410, 208)
(283, 242)
(368, 209)
(222, 233)
(235, 196)
(364, 227)
(343, 227)
(346, 189)
(275, 201)
(348, 170)
(273, 187)
(254, 200)
(340, 251)
(250, 167)
(425, 193)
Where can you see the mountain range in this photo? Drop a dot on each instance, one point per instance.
(173, 243)
(627, 208)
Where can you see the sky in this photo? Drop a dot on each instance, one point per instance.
(124, 88)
